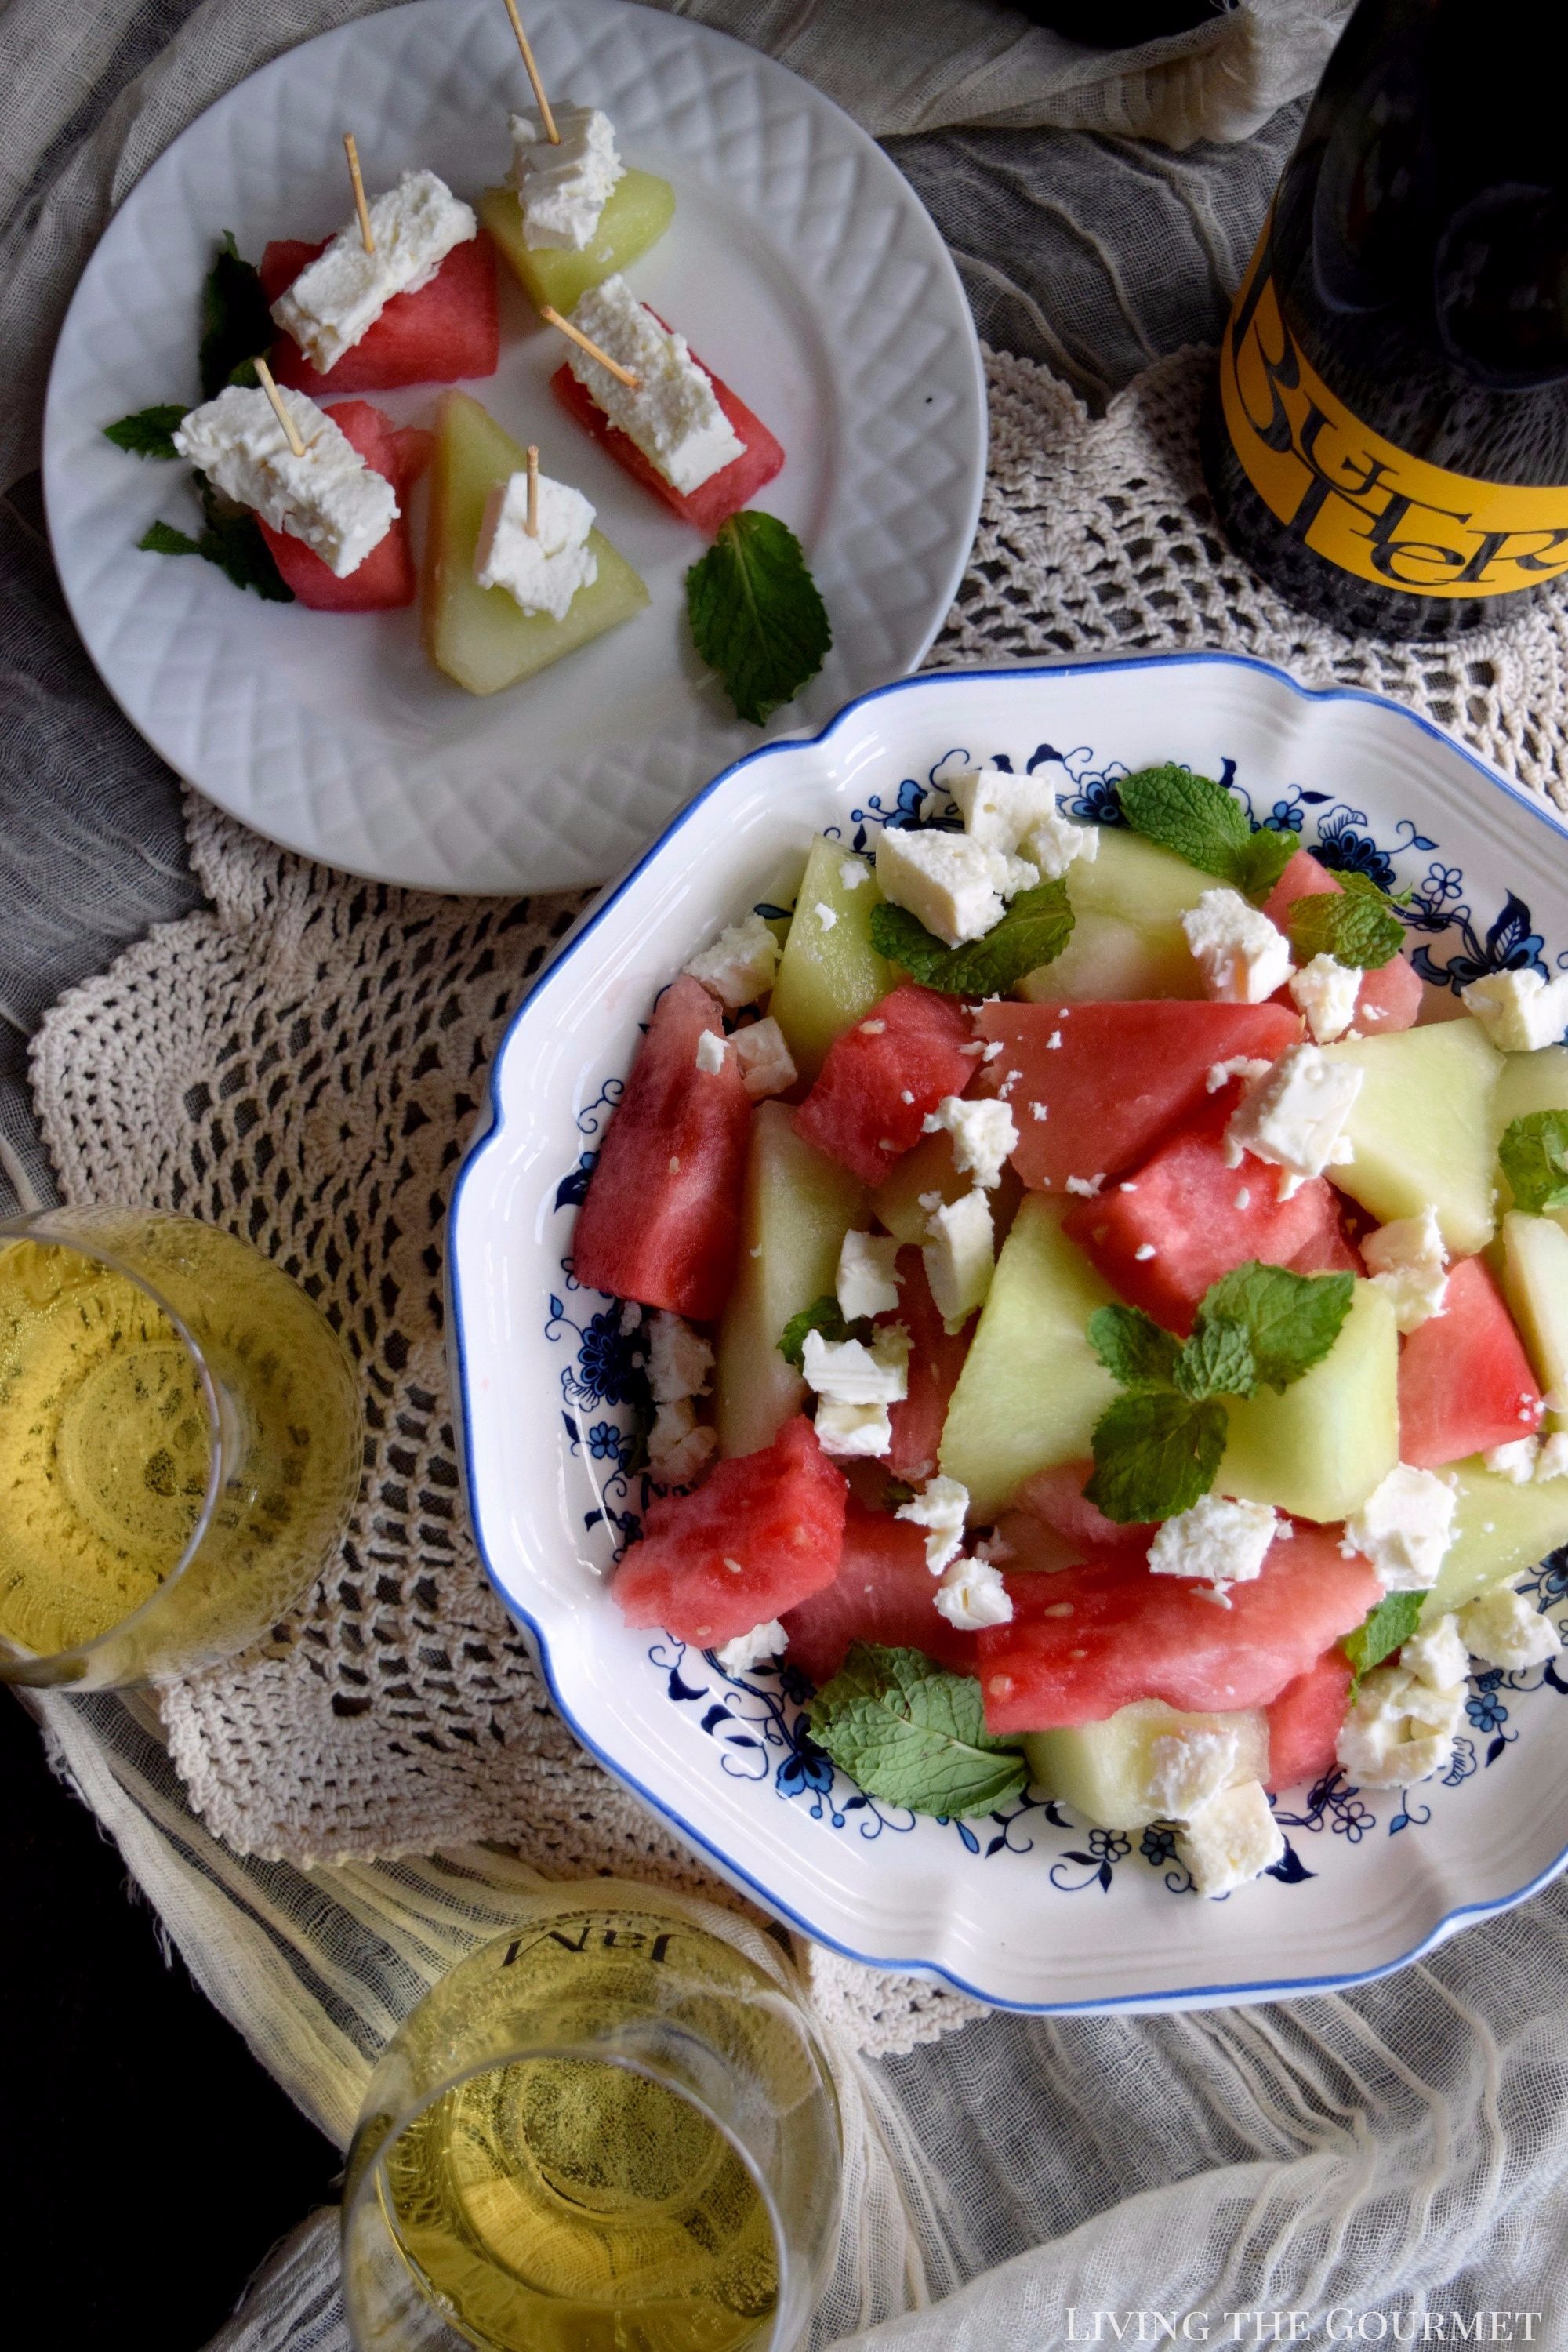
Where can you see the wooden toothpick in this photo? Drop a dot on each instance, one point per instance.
(539, 99)
(366, 232)
(532, 526)
(264, 374)
(586, 343)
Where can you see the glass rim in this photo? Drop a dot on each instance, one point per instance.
(33, 1225)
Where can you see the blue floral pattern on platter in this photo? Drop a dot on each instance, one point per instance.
(757, 1721)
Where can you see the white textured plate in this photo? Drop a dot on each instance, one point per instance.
(1025, 1909)
(800, 264)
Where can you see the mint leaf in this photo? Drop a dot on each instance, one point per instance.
(236, 320)
(1035, 928)
(756, 617)
(162, 539)
(1206, 825)
(1357, 925)
(150, 432)
(1132, 1348)
(824, 1315)
(1262, 862)
(1290, 1320)
(912, 1734)
(1383, 1629)
(1217, 1362)
(1533, 1156)
(232, 540)
(1155, 1453)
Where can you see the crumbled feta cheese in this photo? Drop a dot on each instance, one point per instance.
(1056, 842)
(340, 507)
(751, 1649)
(1437, 1657)
(1086, 1187)
(562, 190)
(1399, 1729)
(960, 1257)
(678, 1444)
(852, 872)
(824, 914)
(679, 1358)
(983, 1132)
(1243, 1199)
(849, 1373)
(1404, 1527)
(711, 1053)
(1240, 1066)
(994, 1052)
(1515, 1460)
(1230, 1841)
(767, 1066)
(854, 1428)
(1325, 992)
(1519, 1011)
(1188, 1768)
(1503, 1630)
(868, 1278)
(1145, 1250)
(540, 573)
(1040, 1110)
(1408, 1259)
(1552, 1459)
(954, 886)
(673, 416)
(972, 1594)
(337, 299)
(740, 965)
(941, 1510)
(1223, 1540)
(1241, 955)
(1054, 1042)
(1292, 1117)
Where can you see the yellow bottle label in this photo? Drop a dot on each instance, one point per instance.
(1358, 500)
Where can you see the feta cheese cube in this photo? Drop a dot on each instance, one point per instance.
(1292, 1117)
(861, 1429)
(960, 1257)
(849, 1373)
(337, 299)
(740, 965)
(1230, 1841)
(1399, 1729)
(1404, 1527)
(769, 1641)
(767, 1066)
(1409, 1258)
(1515, 1460)
(984, 1132)
(1437, 1657)
(1243, 958)
(867, 1280)
(541, 572)
(1519, 1011)
(1325, 992)
(1188, 1768)
(953, 885)
(679, 1360)
(562, 190)
(1056, 842)
(941, 1510)
(1239, 1065)
(1503, 1628)
(673, 416)
(1223, 1540)
(972, 1594)
(711, 1053)
(1001, 810)
(330, 498)
(678, 1444)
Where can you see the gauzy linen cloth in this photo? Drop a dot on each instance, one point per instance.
(303, 1063)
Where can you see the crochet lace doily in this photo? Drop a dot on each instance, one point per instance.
(304, 1064)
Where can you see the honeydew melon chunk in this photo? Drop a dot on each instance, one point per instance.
(1530, 1082)
(1109, 959)
(1423, 1129)
(1032, 1387)
(1104, 1771)
(930, 1168)
(1319, 1447)
(1500, 1530)
(636, 215)
(830, 974)
(1136, 879)
(481, 636)
(1535, 1281)
(797, 1208)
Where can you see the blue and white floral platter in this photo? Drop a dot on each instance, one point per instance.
(1027, 1909)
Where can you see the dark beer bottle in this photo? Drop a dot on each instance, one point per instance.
(1386, 440)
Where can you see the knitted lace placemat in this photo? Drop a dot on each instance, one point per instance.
(303, 1063)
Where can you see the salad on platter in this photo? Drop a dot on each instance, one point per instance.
(1102, 1318)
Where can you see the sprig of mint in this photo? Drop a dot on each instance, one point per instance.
(824, 1315)
(912, 1734)
(1386, 1627)
(231, 539)
(756, 615)
(1158, 1446)
(150, 433)
(1206, 825)
(1355, 924)
(236, 320)
(1533, 1156)
(1035, 930)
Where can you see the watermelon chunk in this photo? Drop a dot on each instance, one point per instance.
(762, 1534)
(1119, 1076)
(1132, 1635)
(451, 328)
(714, 500)
(1304, 877)
(1057, 1499)
(387, 577)
(936, 1361)
(883, 1593)
(661, 1220)
(883, 1075)
(1465, 1381)
(1304, 1722)
(1389, 998)
(1200, 1218)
